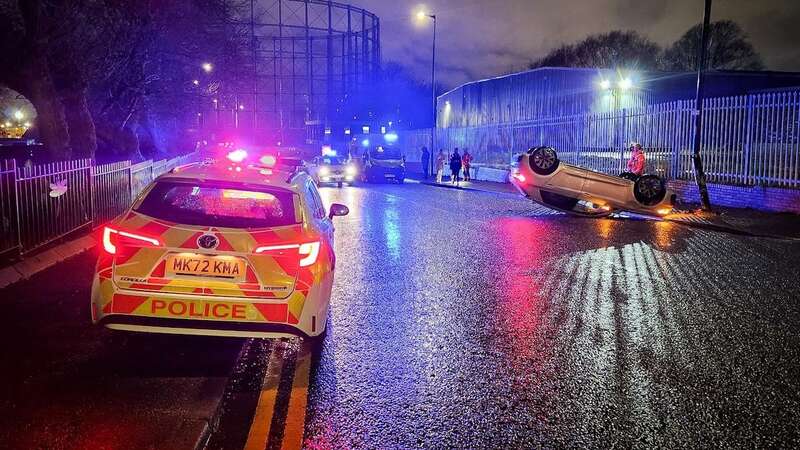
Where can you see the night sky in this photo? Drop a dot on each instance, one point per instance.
(483, 38)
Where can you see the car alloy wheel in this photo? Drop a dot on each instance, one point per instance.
(543, 160)
(649, 190)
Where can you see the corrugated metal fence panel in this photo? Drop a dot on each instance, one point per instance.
(54, 199)
(746, 139)
(8, 206)
(111, 192)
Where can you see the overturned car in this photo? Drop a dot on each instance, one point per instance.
(541, 177)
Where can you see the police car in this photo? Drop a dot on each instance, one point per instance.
(543, 178)
(227, 248)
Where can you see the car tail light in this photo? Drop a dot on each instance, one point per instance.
(113, 237)
(309, 251)
(519, 177)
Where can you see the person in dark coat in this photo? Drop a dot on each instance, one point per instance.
(455, 166)
(426, 162)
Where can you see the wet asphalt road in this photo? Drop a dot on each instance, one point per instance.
(459, 319)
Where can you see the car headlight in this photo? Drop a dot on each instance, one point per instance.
(351, 170)
(324, 170)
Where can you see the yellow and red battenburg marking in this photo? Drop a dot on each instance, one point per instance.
(143, 269)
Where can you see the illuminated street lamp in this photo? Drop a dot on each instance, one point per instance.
(207, 67)
(421, 15)
(617, 91)
(196, 82)
(19, 115)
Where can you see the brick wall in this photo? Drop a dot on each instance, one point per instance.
(756, 197)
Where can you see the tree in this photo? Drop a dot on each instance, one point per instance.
(728, 49)
(98, 71)
(616, 49)
(23, 55)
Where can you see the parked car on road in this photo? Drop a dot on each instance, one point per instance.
(541, 177)
(332, 169)
(384, 164)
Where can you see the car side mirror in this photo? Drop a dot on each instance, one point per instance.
(338, 209)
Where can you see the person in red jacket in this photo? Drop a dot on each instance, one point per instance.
(637, 162)
(466, 162)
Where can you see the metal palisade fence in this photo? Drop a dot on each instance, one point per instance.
(42, 203)
(746, 140)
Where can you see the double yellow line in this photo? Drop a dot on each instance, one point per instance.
(258, 437)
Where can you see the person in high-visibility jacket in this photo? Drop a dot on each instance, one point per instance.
(466, 163)
(637, 162)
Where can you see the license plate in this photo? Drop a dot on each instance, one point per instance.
(207, 266)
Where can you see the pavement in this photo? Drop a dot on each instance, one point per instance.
(18, 270)
(459, 319)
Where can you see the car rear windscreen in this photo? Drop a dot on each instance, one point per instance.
(219, 205)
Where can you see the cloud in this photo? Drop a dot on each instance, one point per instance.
(484, 38)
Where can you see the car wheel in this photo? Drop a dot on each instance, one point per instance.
(543, 160)
(649, 190)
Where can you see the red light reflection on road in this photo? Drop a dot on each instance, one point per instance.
(519, 306)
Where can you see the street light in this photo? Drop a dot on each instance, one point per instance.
(605, 85)
(625, 84)
(208, 67)
(196, 82)
(421, 15)
(19, 115)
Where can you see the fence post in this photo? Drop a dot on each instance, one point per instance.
(748, 140)
(130, 180)
(622, 133)
(15, 176)
(92, 212)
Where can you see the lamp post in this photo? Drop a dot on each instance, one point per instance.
(699, 173)
(422, 15)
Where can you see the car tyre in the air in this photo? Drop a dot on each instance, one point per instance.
(543, 160)
(649, 190)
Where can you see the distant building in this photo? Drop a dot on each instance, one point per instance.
(558, 91)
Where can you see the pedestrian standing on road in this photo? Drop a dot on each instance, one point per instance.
(637, 162)
(426, 162)
(439, 165)
(455, 166)
(466, 162)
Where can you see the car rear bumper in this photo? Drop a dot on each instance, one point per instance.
(302, 313)
(200, 327)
